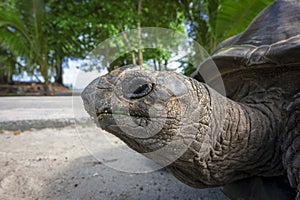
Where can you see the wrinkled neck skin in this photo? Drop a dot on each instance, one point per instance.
(241, 141)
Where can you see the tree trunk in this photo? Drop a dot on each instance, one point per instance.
(5, 76)
(59, 72)
(4, 79)
(154, 64)
(47, 89)
(47, 84)
(128, 44)
(140, 53)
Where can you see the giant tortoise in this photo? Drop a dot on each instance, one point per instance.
(247, 143)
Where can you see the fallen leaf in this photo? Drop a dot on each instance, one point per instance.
(17, 132)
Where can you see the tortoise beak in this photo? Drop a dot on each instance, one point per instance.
(88, 97)
(96, 96)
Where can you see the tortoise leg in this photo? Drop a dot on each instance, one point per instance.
(291, 144)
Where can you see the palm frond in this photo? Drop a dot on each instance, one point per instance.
(13, 21)
(33, 14)
(21, 31)
(235, 16)
(14, 43)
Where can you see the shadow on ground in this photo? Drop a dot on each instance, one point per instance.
(86, 178)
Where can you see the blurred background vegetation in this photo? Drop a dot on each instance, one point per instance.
(40, 36)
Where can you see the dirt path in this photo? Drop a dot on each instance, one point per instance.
(53, 164)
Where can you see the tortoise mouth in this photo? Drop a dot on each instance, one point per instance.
(107, 113)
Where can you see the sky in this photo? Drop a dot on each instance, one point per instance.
(73, 77)
(77, 78)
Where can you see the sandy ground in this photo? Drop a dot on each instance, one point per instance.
(54, 164)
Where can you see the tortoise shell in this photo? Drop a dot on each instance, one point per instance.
(265, 55)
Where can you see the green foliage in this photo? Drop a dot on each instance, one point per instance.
(21, 33)
(8, 66)
(235, 16)
(43, 33)
(72, 27)
(119, 17)
(212, 21)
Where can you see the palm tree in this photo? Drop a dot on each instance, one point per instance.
(212, 21)
(8, 66)
(21, 32)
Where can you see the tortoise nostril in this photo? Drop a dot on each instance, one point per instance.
(106, 110)
(103, 113)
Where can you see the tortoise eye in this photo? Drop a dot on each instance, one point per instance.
(139, 92)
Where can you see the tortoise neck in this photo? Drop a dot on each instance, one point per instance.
(248, 140)
(241, 141)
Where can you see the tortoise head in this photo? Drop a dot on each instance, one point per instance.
(150, 111)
